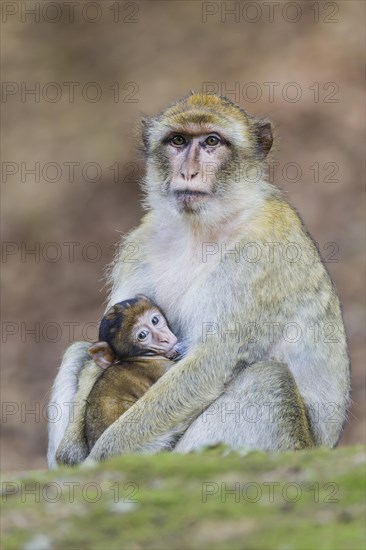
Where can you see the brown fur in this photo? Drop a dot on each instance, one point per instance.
(117, 389)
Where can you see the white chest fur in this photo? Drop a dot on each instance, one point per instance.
(180, 270)
(179, 276)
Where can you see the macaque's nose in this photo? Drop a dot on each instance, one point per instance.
(163, 337)
(191, 167)
(189, 174)
(168, 338)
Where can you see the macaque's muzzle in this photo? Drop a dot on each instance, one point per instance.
(176, 352)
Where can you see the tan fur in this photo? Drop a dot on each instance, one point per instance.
(303, 379)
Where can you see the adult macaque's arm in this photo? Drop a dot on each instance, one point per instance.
(186, 390)
(172, 403)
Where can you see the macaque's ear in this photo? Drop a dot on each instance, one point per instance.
(102, 355)
(144, 128)
(264, 138)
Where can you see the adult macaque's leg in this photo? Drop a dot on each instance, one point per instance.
(63, 394)
(260, 409)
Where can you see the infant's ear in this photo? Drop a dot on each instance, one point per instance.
(102, 354)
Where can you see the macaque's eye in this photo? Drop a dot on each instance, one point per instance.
(212, 141)
(178, 141)
(142, 335)
(155, 320)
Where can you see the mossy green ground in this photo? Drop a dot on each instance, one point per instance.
(215, 499)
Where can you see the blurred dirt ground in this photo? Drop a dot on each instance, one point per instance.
(158, 51)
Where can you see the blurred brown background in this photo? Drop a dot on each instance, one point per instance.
(92, 82)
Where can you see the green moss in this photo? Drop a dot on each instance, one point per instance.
(214, 499)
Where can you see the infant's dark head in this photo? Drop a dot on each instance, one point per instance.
(132, 328)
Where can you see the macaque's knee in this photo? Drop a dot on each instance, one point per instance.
(274, 391)
(260, 409)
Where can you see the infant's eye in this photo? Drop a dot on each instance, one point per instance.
(142, 335)
(178, 140)
(155, 320)
(212, 141)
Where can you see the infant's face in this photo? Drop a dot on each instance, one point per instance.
(151, 333)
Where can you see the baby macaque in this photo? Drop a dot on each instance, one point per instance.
(136, 347)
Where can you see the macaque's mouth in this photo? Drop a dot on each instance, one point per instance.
(190, 193)
(176, 352)
(189, 200)
(171, 352)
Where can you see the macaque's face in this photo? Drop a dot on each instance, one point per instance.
(151, 333)
(195, 160)
(134, 327)
(200, 151)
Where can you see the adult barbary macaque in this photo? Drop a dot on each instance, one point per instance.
(203, 156)
(135, 348)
